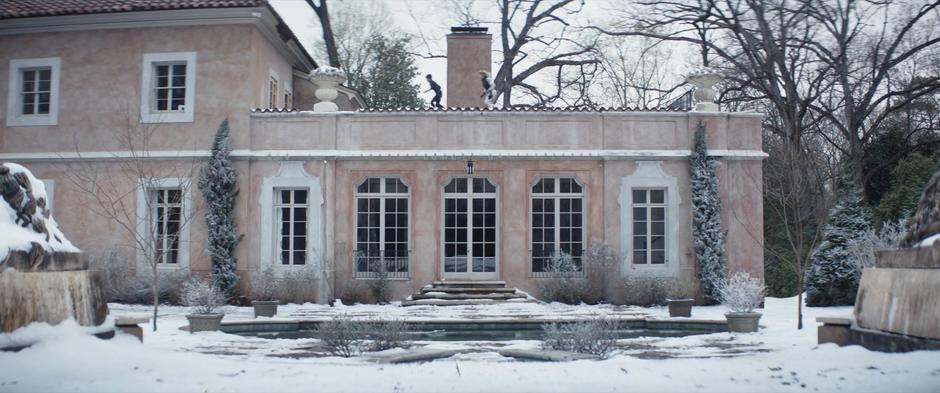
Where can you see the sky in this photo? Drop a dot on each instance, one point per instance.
(428, 18)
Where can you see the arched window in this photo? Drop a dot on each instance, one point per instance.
(382, 227)
(557, 223)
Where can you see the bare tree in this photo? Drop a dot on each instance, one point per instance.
(638, 72)
(865, 45)
(329, 39)
(535, 35)
(153, 223)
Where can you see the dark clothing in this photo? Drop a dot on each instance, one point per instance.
(436, 101)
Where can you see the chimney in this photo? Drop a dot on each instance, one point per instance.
(469, 51)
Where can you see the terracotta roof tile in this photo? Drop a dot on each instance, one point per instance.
(12, 9)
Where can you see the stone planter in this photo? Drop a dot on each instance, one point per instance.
(680, 307)
(204, 322)
(265, 308)
(742, 322)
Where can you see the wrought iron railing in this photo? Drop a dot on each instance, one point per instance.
(379, 264)
(552, 264)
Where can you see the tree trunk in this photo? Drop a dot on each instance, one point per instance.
(328, 38)
(156, 294)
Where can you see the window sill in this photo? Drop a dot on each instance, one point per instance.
(166, 117)
(32, 120)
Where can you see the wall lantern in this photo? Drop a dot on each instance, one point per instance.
(470, 166)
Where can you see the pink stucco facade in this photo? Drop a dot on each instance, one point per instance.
(608, 153)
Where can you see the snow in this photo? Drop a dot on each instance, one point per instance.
(16, 237)
(929, 241)
(778, 358)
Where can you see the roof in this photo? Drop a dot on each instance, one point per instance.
(12, 9)
(530, 109)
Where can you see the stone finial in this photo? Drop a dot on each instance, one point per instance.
(327, 79)
(704, 79)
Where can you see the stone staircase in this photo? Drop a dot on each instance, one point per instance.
(460, 293)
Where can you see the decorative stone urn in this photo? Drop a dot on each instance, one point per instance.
(204, 322)
(704, 79)
(327, 79)
(265, 308)
(743, 322)
(680, 307)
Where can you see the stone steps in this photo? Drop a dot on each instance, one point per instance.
(464, 292)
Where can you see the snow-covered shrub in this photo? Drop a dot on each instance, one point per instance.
(595, 336)
(862, 250)
(572, 284)
(387, 334)
(264, 286)
(833, 274)
(741, 292)
(342, 336)
(379, 284)
(707, 236)
(203, 297)
(217, 182)
(297, 287)
(122, 285)
(647, 291)
(353, 292)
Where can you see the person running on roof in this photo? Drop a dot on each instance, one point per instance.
(489, 95)
(436, 101)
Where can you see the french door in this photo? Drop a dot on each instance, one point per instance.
(470, 229)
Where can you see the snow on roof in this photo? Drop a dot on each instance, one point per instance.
(527, 109)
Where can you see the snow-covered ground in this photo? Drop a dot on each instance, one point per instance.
(778, 358)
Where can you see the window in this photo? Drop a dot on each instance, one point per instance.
(288, 99)
(33, 98)
(557, 222)
(291, 208)
(382, 227)
(649, 226)
(470, 216)
(168, 87)
(166, 212)
(272, 92)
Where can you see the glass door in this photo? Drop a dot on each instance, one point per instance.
(470, 229)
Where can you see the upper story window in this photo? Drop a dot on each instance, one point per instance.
(272, 92)
(33, 98)
(169, 82)
(288, 99)
(557, 223)
(382, 227)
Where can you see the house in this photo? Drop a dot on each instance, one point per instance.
(456, 194)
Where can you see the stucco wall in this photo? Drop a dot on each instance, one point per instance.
(100, 86)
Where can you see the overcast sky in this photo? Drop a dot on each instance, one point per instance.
(433, 22)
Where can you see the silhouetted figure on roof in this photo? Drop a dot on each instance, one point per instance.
(436, 101)
(489, 95)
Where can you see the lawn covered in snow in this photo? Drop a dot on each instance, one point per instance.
(778, 358)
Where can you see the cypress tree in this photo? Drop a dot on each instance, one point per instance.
(217, 182)
(833, 275)
(707, 235)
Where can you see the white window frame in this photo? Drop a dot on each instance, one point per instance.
(291, 174)
(443, 227)
(288, 99)
(15, 117)
(382, 196)
(649, 175)
(648, 206)
(144, 220)
(279, 223)
(275, 80)
(556, 195)
(147, 113)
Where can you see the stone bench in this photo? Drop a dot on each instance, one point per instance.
(836, 330)
(131, 325)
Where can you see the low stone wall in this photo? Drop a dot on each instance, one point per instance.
(899, 295)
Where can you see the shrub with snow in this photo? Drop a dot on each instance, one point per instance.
(741, 292)
(595, 336)
(833, 275)
(203, 297)
(217, 181)
(707, 236)
(342, 336)
(862, 250)
(264, 286)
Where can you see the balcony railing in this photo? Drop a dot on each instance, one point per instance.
(379, 264)
(551, 264)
